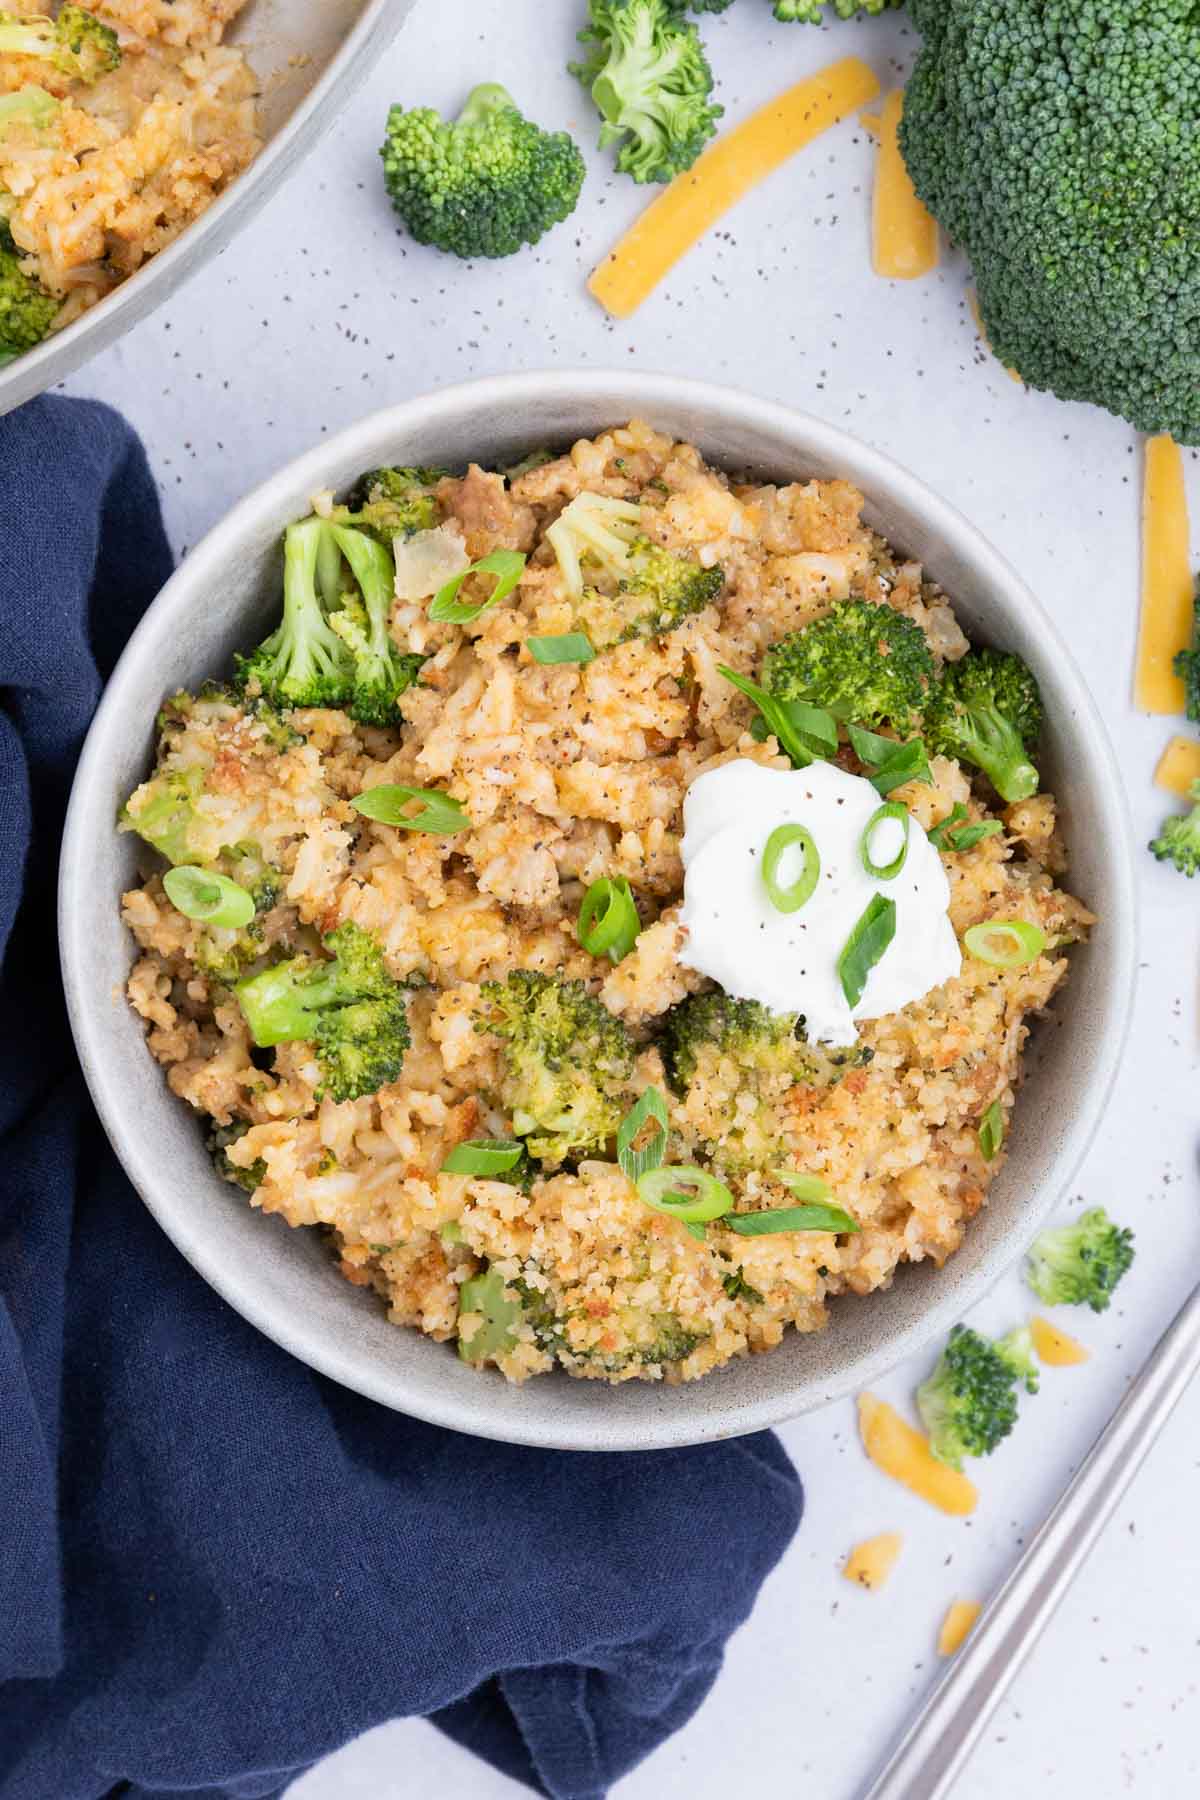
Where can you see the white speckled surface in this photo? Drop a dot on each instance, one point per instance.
(323, 314)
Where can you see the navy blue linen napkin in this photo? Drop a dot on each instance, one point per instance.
(215, 1565)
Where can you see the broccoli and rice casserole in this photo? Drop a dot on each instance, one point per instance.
(418, 962)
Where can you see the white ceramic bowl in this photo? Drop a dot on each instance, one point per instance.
(309, 55)
(283, 1280)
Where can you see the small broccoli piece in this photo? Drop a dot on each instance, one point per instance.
(986, 711)
(348, 1006)
(707, 6)
(76, 43)
(27, 311)
(393, 502)
(1187, 666)
(381, 672)
(218, 1142)
(862, 663)
(567, 1063)
(29, 105)
(646, 590)
(647, 73)
(163, 812)
(812, 12)
(1179, 840)
(1080, 1264)
(484, 185)
(487, 1296)
(969, 1403)
(304, 662)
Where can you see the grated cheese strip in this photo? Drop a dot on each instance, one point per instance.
(1179, 766)
(1166, 620)
(973, 304)
(737, 161)
(957, 1625)
(870, 1563)
(1054, 1347)
(905, 236)
(903, 1453)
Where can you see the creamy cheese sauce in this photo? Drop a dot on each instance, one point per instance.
(788, 961)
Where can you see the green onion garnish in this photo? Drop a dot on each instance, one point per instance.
(451, 1232)
(816, 1215)
(891, 763)
(1005, 943)
(572, 647)
(802, 732)
(483, 1156)
(865, 945)
(790, 897)
(708, 1199)
(636, 1163)
(891, 809)
(437, 813)
(201, 894)
(608, 919)
(505, 565)
(991, 1131)
(952, 834)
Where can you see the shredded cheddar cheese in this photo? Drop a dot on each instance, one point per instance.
(1054, 1347)
(977, 316)
(1166, 621)
(871, 1562)
(903, 1453)
(730, 167)
(957, 1625)
(905, 235)
(1179, 766)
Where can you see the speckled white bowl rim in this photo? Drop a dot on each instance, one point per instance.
(284, 1281)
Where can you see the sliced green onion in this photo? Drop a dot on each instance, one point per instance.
(891, 763)
(483, 1156)
(572, 647)
(438, 813)
(790, 1218)
(636, 1163)
(952, 834)
(940, 832)
(991, 1131)
(201, 894)
(608, 919)
(865, 945)
(789, 722)
(815, 1215)
(1005, 943)
(891, 809)
(451, 1232)
(790, 897)
(694, 1230)
(505, 565)
(709, 1198)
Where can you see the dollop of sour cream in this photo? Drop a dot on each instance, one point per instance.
(789, 961)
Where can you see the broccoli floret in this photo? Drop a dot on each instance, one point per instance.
(658, 1336)
(567, 1063)
(969, 1403)
(393, 502)
(381, 673)
(29, 105)
(348, 1006)
(624, 586)
(163, 813)
(218, 1142)
(1080, 1264)
(860, 662)
(1179, 840)
(1187, 666)
(647, 73)
(488, 1296)
(707, 6)
(1056, 144)
(484, 185)
(76, 43)
(27, 311)
(812, 12)
(986, 710)
(304, 662)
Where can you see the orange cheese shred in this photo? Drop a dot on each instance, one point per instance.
(903, 1453)
(905, 236)
(1179, 766)
(1054, 1347)
(1166, 620)
(737, 161)
(870, 1563)
(957, 1625)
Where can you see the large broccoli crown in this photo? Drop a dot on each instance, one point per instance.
(969, 1403)
(861, 662)
(647, 73)
(1081, 1264)
(1179, 840)
(986, 710)
(624, 585)
(393, 502)
(347, 1005)
(76, 43)
(484, 185)
(567, 1062)
(27, 311)
(1058, 146)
